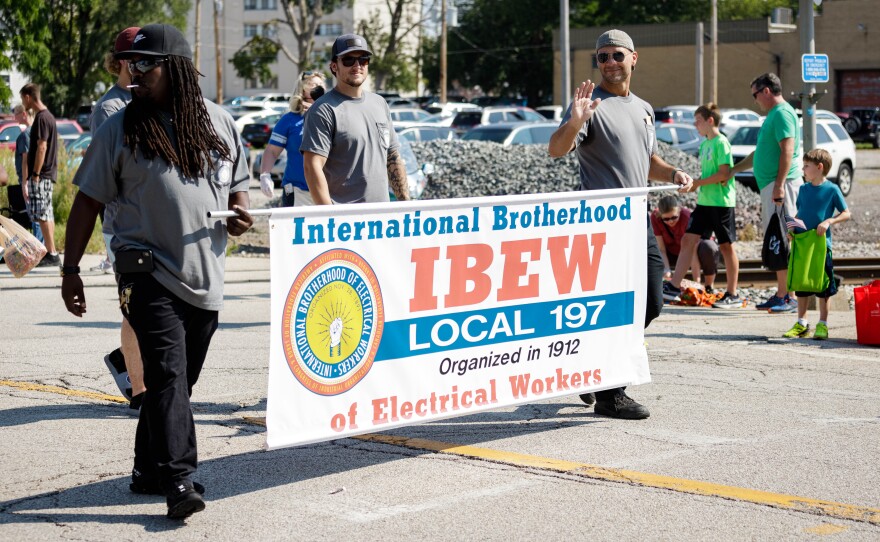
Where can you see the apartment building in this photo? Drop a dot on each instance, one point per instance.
(240, 20)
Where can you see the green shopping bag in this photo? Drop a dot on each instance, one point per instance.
(806, 263)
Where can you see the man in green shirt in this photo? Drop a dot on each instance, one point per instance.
(776, 170)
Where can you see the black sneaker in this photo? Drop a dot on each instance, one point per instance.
(588, 398)
(50, 260)
(115, 362)
(145, 485)
(670, 292)
(183, 500)
(623, 407)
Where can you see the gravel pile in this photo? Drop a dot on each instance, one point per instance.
(476, 168)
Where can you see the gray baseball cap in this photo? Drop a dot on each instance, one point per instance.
(615, 38)
(348, 43)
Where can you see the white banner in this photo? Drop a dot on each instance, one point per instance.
(385, 315)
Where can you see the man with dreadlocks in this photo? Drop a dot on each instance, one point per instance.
(167, 159)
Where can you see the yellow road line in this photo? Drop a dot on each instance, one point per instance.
(682, 485)
(30, 386)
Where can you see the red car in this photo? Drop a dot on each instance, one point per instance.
(68, 131)
(9, 131)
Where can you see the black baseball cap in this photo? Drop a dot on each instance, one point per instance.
(348, 43)
(158, 40)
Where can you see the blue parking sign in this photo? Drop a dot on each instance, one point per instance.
(814, 68)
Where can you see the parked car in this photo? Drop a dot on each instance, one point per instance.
(450, 108)
(465, 120)
(402, 102)
(77, 149)
(279, 101)
(244, 118)
(863, 125)
(683, 137)
(68, 131)
(258, 132)
(425, 132)
(402, 117)
(513, 133)
(830, 135)
(675, 113)
(83, 115)
(9, 132)
(732, 119)
(416, 172)
(551, 112)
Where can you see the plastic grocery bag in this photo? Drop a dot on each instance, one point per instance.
(806, 263)
(21, 250)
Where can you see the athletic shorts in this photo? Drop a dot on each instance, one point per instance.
(39, 203)
(721, 220)
(768, 206)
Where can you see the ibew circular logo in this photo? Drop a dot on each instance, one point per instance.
(332, 323)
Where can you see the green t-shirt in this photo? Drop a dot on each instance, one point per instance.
(781, 123)
(715, 153)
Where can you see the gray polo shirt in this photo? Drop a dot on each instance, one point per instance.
(163, 211)
(615, 146)
(355, 135)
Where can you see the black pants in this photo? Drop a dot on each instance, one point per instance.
(654, 301)
(173, 338)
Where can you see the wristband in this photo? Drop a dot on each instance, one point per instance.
(69, 270)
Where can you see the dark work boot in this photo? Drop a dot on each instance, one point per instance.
(621, 406)
(183, 500)
(588, 398)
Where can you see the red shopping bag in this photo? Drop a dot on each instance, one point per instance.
(868, 313)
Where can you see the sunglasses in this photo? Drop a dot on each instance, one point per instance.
(755, 94)
(618, 56)
(669, 218)
(349, 61)
(144, 65)
(307, 74)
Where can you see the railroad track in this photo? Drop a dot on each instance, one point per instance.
(852, 270)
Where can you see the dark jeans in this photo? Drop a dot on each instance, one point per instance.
(173, 338)
(654, 301)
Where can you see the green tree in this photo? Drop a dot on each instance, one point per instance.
(302, 18)
(622, 12)
(505, 47)
(60, 44)
(394, 64)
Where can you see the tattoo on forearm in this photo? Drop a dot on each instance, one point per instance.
(397, 176)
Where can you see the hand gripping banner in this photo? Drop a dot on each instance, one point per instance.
(386, 315)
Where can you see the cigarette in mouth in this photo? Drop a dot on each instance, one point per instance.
(132, 86)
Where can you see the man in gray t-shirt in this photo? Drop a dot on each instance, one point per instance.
(168, 159)
(350, 149)
(613, 136)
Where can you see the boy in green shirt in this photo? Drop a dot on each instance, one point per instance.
(715, 209)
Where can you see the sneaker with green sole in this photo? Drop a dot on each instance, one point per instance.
(797, 330)
(821, 332)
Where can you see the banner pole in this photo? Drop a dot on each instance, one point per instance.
(268, 212)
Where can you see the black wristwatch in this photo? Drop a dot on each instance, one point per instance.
(69, 270)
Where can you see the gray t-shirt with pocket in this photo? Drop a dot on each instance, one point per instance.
(615, 146)
(163, 211)
(114, 100)
(355, 135)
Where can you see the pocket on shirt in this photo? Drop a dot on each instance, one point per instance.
(221, 175)
(384, 131)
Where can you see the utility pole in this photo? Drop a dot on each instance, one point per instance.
(714, 51)
(564, 54)
(808, 94)
(698, 94)
(443, 52)
(198, 29)
(218, 7)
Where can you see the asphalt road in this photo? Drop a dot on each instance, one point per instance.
(750, 438)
